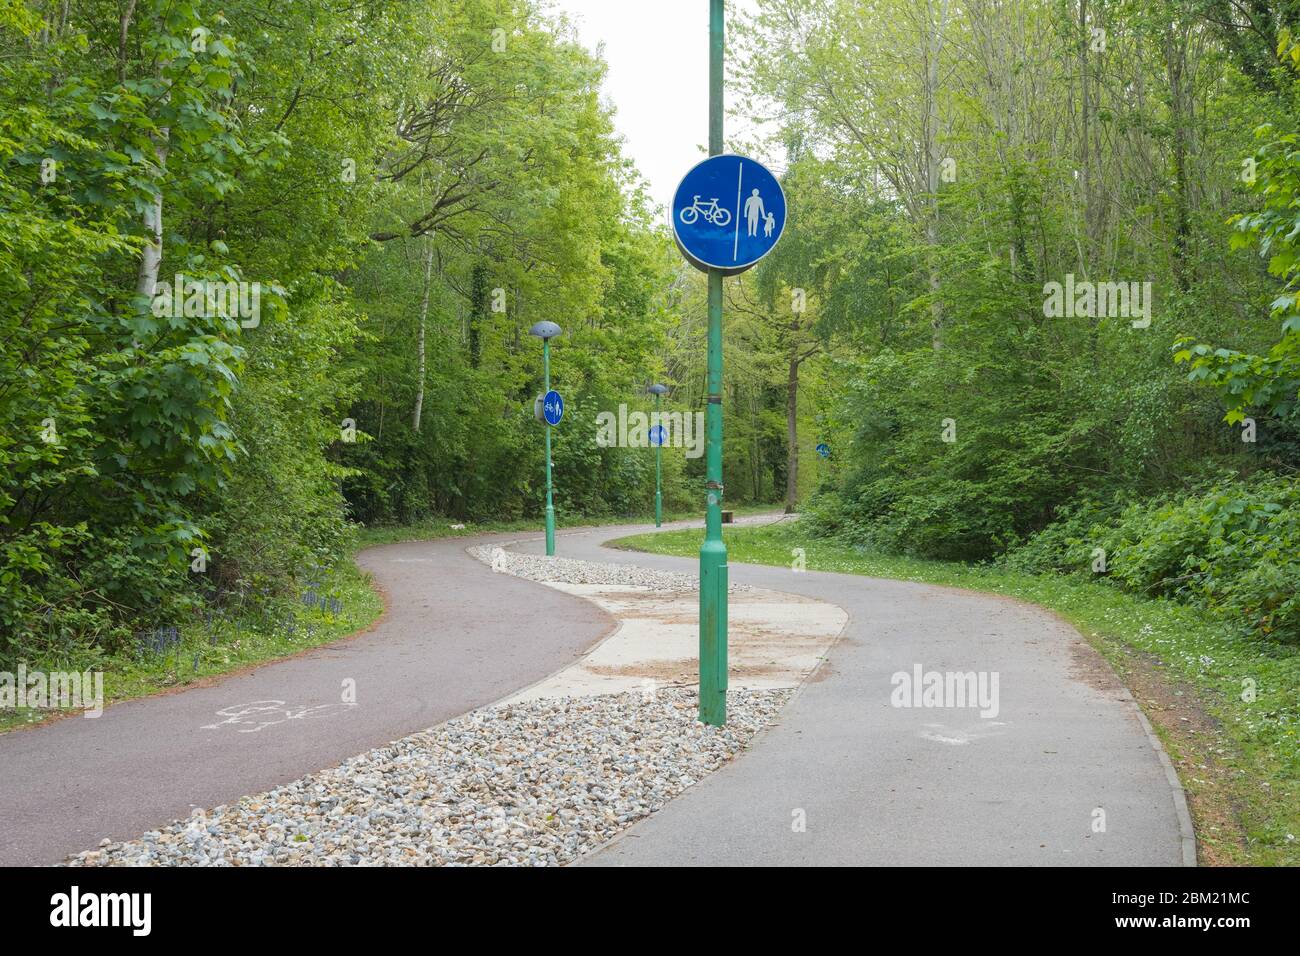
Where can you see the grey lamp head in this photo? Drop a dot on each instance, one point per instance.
(545, 330)
(658, 389)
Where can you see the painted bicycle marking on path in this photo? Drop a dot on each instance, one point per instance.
(257, 715)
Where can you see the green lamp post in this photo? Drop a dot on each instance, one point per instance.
(547, 331)
(699, 212)
(713, 554)
(658, 392)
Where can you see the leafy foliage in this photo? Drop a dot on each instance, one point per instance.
(950, 164)
(409, 185)
(1231, 548)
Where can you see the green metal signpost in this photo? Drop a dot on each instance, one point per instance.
(713, 555)
(658, 392)
(728, 213)
(550, 501)
(547, 331)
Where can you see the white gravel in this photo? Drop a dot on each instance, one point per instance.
(554, 569)
(531, 784)
(537, 783)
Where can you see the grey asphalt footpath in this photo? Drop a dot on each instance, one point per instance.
(1067, 753)
(456, 637)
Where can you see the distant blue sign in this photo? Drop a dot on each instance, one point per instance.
(552, 407)
(658, 435)
(728, 213)
(824, 450)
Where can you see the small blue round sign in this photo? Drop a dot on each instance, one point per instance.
(824, 450)
(552, 407)
(728, 213)
(658, 434)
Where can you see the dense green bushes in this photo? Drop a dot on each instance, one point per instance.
(485, 461)
(408, 193)
(1232, 548)
(111, 418)
(974, 423)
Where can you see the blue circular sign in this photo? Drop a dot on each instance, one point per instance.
(552, 407)
(728, 213)
(824, 450)
(658, 434)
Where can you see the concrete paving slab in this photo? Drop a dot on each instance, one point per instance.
(777, 640)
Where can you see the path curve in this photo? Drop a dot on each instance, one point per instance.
(878, 784)
(455, 637)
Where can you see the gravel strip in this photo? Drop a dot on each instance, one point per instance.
(531, 784)
(539, 567)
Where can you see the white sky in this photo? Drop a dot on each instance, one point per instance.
(658, 79)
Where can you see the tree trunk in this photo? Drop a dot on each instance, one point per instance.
(123, 33)
(151, 260)
(933, 160)
(478, 294)
(146, 281)
(419, 348)
(1175, 65)
(792, 433)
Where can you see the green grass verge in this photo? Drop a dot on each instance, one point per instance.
(1238, 757)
